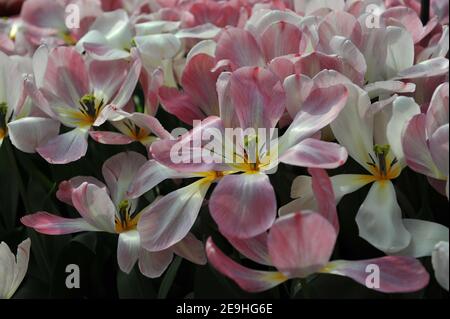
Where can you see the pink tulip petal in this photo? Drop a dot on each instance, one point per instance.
(199, 81)
(95, 206)
(253, 248)
(244, 205)
(324, 194)
(126, 90)
(415, 147)
(321, 107)
(66, 188)
(192, 151)
(439, 148)
(65, 148)
(153, 264)
(397, 274)
(191, 249)
(169, 220)
(297, 87)
(339, 23)
(67, 76)
(110, 138)
(119, 172)
(49, 224)
(240, 47)
(281, 38)
(248, 279)
(44, 14)
(28, 133)
(257, 96)
(437, 114)
(149, 175)
(180, 104)
(315, 153)
(301, 243)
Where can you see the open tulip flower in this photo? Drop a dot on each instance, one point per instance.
(84, 97)
(107, 208)
(301, 244)
(243, 203)
(311, 135)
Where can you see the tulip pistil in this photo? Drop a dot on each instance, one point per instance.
(125, 221)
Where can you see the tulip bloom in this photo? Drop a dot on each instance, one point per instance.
(12, 268)
(425, 141)
(108, 209)
(301, 244)
(372, 138)
(243, 203)
(80, 95)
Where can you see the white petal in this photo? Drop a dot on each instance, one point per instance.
(425, 236)
(379, 219)
(440, 264)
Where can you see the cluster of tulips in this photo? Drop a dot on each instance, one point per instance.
(341, 81)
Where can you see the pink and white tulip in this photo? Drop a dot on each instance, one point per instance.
(109, 209)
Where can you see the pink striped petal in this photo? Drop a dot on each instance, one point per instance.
(128, 86)
(428, 68)
(239, 47)
(66, 188)
(49, 224)
(437, 113)
(321, 107)
(258, 97)
(244, 205)
(248, 279)
(192, 151)
(415, 147)
(107, 76)
(227, 111)
(324, 194)
(153, 264)
(253, 248)
(281, 38)
(406, 17)
(29, 133)
(199, 81)
(339, 23)
(300, 244)
(110, 138)
(439, 148)
(297, 87)
(95, 206)
(312, 152)
(169, 220)
(151, 82)
(65, 148)
(397, 274)
(180, 104)
(66, 75)
(191, 249)
(119, 171)
(149, 175)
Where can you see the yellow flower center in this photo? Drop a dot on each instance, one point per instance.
(124, 220)
(386, 168)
